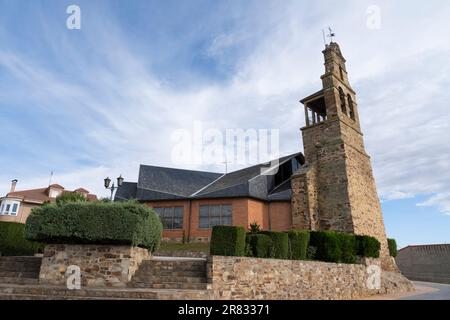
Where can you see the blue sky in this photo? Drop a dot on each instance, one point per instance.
(101, 100)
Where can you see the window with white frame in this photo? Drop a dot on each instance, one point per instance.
(9, 208)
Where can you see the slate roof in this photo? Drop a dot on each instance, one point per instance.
(159, 183)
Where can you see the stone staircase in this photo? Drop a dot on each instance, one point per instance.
(171, 273)
(44, 292)
(157, 279)
(19, 270)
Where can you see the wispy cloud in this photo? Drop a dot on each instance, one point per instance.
(107, 100)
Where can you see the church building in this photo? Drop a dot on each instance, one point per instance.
(328, 187)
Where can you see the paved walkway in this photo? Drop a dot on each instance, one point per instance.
(424, 291)
(437, 291)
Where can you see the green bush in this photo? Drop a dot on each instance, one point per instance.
(13, 242)
(259, 245)
(279, 248)
(347, 243)
(327, 244)
(121, 223)
(228, 241)
(367, 246)
(392, 247)
(298, 244)
(70, 197)
(254, 228)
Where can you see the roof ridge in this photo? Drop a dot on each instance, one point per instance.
(225, 188)
(179, 169)
(201, 189)
(159, 191)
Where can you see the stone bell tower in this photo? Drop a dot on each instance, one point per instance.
(335, 189)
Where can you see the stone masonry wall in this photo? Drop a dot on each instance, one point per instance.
(304, 204)
(234, 278)
(100, 265)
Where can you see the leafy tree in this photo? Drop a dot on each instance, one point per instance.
(70, 197)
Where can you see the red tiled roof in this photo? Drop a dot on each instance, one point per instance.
(41, 195)
(56, 186)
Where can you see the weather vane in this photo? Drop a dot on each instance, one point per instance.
(330, 35)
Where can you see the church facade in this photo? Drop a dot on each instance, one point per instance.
(328, 187)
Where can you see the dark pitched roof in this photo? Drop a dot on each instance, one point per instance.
(127, 191)
(313, 96)
(159, 183)
(174, 182)
(240, 183)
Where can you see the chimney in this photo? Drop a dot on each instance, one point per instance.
(13, 185)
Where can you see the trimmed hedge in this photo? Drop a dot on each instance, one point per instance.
(259, 245)
(347, 243)
(327, 244)
(367, 246)
(279, 248)
(228, 241)
(13, 242)
(298, 244)
(119, 223)
(392, 244)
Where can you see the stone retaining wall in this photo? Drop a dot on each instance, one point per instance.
(250, 278)
(100, 265)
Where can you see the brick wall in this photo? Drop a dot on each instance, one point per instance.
(245, 212)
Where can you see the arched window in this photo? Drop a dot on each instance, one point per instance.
(341, 73)
(342, 99)
(350, 107)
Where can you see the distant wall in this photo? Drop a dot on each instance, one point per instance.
(425, 263)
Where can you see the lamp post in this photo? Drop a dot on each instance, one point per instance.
(113, 187)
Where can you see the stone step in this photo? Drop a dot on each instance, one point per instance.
(176, 267)
(20, 259)
(42, 297)
(175, 262)
(19, 274)
(20, 265)
(171, 285)
(168, 278)
(15, 280)
(41, 292)
(168, 273)
(13, 267)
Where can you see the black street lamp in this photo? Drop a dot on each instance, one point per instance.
(113, 187)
